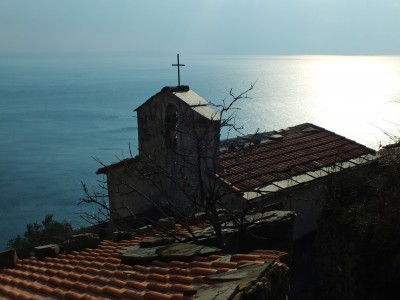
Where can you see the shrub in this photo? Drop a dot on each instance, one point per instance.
(49, 231)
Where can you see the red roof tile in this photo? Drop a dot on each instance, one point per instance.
(299, 149)
(99, 274)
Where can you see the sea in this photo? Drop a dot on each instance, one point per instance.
(60, 114)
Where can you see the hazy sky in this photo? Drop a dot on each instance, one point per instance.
(201, 26)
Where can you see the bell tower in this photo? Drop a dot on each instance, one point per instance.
(176, 121)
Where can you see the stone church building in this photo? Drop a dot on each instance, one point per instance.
(183, 165)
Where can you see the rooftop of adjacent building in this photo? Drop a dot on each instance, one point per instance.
(145, 266)
(275, 160)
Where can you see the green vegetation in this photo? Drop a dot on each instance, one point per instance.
(359, 228)
(36, 234)
(365, 201)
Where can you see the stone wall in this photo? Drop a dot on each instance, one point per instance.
(303, 199)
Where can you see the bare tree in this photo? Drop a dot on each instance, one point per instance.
(179, 177)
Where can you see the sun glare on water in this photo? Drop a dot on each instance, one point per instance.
(355, 96)
(357, 91)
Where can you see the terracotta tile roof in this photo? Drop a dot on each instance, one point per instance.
(283, 154)
(124, 162)
(100, 274)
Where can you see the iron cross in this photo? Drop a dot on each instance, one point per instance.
(179, 70)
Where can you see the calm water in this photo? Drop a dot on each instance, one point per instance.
(57, 112)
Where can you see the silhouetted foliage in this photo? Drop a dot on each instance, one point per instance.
(37, 234)
(361, 221)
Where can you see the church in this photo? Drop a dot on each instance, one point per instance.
(177, 166)
(183, 166)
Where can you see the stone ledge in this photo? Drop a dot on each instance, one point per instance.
(8, 258)
(50, 250)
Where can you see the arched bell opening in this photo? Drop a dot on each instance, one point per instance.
(171, 126)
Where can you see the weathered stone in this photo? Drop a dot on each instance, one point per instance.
(272, 283)
(178, 251)
(205, 251)
(272, 230)
(208, 231)
(185, 251)
(271, 217)
(251, 281)
(217, 292)
(81, 241)
(121, 235)
(145, 229)
(206, 234)
(248, 272)
(157, 241)
(166, 223)
(224, 258)
(206, 237)
(8, 258)
(50, 250)
(134, 255)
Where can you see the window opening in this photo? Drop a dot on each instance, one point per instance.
(171, 126)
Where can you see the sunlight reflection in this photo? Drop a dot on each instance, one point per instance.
(356, 91)
(350, 95)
